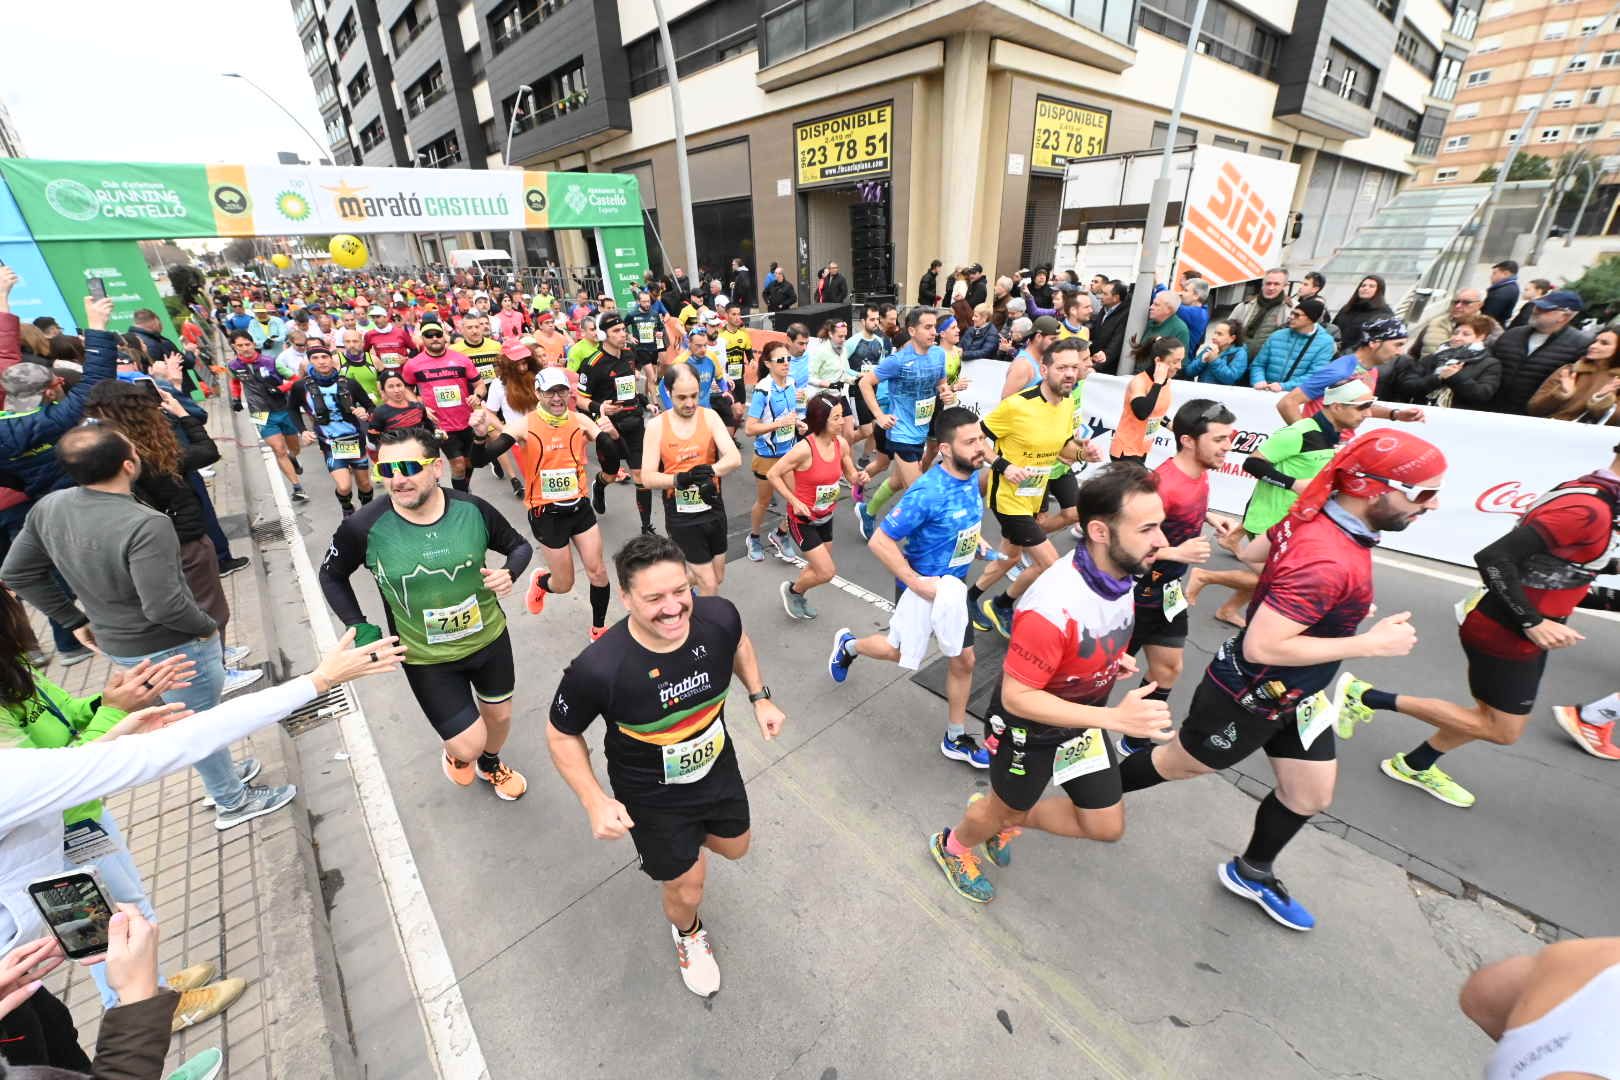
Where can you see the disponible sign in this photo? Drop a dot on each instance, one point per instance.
(66, 200)
(846, 147)
(1483, 493)
(1065, 133)
(1235, 209)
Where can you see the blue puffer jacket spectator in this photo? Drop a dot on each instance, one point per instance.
(1227, 368)
(30, 428)
(1295, 351)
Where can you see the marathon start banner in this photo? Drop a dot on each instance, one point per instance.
(1496, 465)
(87, 200)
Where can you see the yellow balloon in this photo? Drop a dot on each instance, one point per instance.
(280, 261)
(349, 252)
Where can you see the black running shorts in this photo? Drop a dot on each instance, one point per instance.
(1020, 774)
(810, 535)
(1220, 733)
(554, 526)
(449, 693)
(669, 840)
(701, 542)
(1508, 686)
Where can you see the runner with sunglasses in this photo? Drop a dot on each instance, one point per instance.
(550, 445)
(1535, 577)
(425, 547)
(1267, 688)
(446, 381)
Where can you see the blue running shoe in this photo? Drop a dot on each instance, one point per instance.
(1129, 745)
(784, 545)
(868, 522)
(965, 748)
(1270, 894)
(998, 611)
(838, 663)
(756, 550)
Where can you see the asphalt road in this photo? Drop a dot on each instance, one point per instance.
(843, 952)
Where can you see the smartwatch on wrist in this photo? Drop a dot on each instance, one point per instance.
(763, 695)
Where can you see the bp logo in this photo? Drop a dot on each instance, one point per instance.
(576, 200)
(231, 200)
(292, 206)
(72, 200)
(535, 200)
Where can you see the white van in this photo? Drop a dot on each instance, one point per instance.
(481, 259)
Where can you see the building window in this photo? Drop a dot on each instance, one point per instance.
(425, 91)
(1488, 45)
(1445, 176)
(1446, 76)
(1347, 75)
(1464, 21)
(1511, 138)
(713, 33)
(1240, 145)
(1609, 59)
(1397, 119)
(1583, 132)
(1527, 102)
(371, 136)
(1594, 96)
(409, 26)
(441, 153)
(1412, 46)
(345, 35)
(1273, 152)
(1542, 67)
(1458, 142)
(1578, 62)
(1590, 27)
(1466, 111)
(360, 85)
(1555, 31)
(513, 19)
(1229, 35)
(335, 135)
(1185, 136)
(1386, 8)
(1478, 78)
(1550, 135)
(1564, 99)
(555, 95)
(1426, 146)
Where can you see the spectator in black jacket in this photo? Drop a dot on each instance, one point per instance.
(1533, 290)
(978, 290)
(780, 293)
(1367, 305)
(1503, 295)
(928, 288)
(1108, 326)
(834, 287)
(1462, 375)
(1532, 352)
(742, 285)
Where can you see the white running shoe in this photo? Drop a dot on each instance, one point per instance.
(698, 970)
(240, 679)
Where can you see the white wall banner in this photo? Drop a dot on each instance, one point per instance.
(1496, 465)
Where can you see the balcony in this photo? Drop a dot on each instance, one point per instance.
(416, 104)
(303, 13)
(802, 39)
(505, 31)
(1346, 88)
(1326, 106)
(403, 41)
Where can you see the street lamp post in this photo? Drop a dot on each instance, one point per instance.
(681, 173)
(324, 152)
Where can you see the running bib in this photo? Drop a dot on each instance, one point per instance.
(690, 761)
(1035, 482)
(559, 484)
(689, 500)
(345, 449)
(644, 333)
(967, 546)
(259, 417)
(826, 495)
(785, 433)
(453, 623)
(1080, 756)
(624, 387)
(1154, 426)
(734, 372)
(923, 412)
(447, 395)
(1468, 603)
(1314, 715)
(390, 359)
(1174, 600)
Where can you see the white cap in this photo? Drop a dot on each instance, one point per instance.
(551, 378)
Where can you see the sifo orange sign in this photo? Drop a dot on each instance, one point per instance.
(1233, 223)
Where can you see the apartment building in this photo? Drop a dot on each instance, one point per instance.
(1563, 55)
(881, 134)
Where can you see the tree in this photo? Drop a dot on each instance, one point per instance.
(241, 251)
(1599, 286)
(1525, 167)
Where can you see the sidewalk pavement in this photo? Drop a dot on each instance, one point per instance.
(245, 899)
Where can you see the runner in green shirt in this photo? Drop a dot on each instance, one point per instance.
(426, 546)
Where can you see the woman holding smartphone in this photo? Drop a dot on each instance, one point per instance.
(37, 786)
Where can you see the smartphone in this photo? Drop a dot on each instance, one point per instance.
(98, 289)
(76, 910)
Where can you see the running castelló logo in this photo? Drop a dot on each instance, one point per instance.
(577, 200)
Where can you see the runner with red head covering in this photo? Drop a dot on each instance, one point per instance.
(1267, 688)
(1535, 577)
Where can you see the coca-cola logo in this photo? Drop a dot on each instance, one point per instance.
(1506, 498)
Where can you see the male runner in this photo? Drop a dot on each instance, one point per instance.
(1203, 431)
(550, 446)
(340, 407)
(476, 345)
(446, 382)
(264, 389)
(389, 342)
(425, 546)
(686, 451)
(1382, 340)
(1068, 646)
(611, 397)
(1535, 578)
(937, 519)
(660, 679)
(648, 337)
(915, 379)
(715, 391)
(1033, 429)
(1316, 589)
(738, 346)
(862, 351)
(1026, 370)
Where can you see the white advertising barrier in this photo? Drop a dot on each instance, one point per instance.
(1496, 466)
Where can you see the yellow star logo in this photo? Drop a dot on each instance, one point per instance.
(345, 197)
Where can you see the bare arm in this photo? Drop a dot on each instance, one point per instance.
(791, 461)
(1291, 406)
(1274, 639)
(730, 459)
(745, 666)
(652, 460)
(894, 561)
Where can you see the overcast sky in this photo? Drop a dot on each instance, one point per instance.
(141, 80)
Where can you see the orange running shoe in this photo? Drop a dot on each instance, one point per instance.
(537, 593)
(597, 632)
(1595, 739)
(459, 771)
(507, 781)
